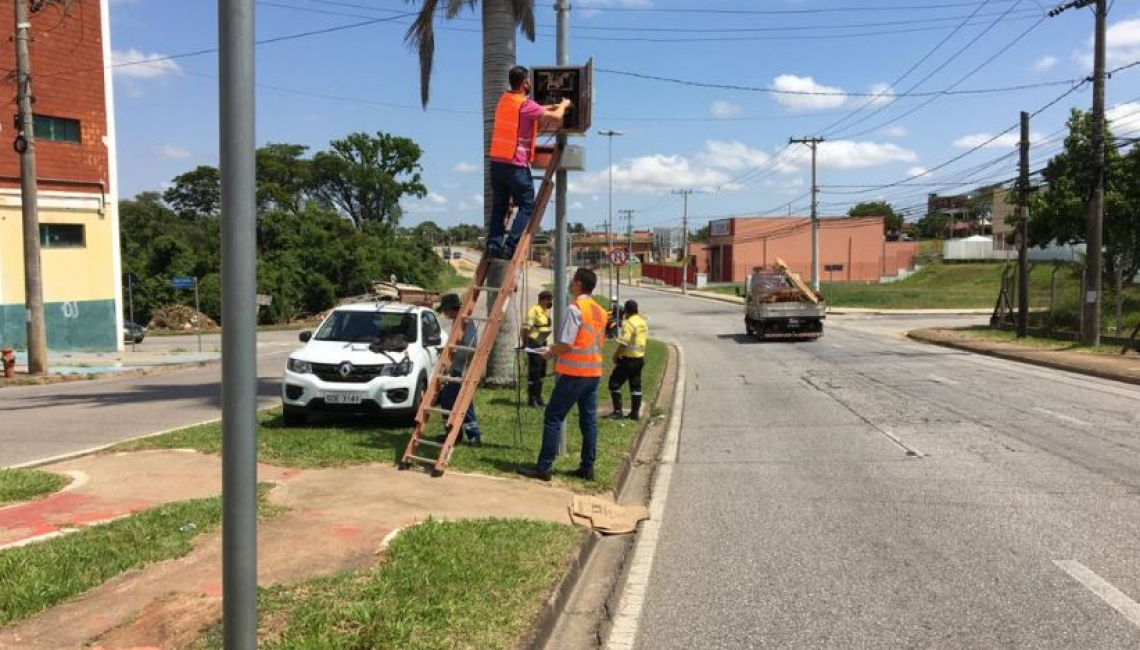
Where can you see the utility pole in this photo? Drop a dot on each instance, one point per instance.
(628, 214)
(1023, 232)
(684, 242)
(610, 217)
(239, 322)
(561, 247)
(1090, 300)
(813, 142)
(26, 147)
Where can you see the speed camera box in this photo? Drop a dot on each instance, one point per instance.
(552, 84)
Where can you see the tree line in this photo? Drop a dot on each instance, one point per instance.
(328, 225)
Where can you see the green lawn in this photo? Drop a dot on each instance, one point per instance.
(475, 585)
(988, 334)
(511, 437)
(943, 286)
(36, 577)
(26, 484)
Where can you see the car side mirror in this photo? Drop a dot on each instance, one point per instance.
(433, 341)
(305, 336)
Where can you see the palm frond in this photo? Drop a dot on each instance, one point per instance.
(421, 37)
(524, 17)
(455, 6)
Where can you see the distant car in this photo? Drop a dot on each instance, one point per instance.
(457, 255)
(133, 332)
(364, 358)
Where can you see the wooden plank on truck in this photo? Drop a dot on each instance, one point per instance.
(798, 282)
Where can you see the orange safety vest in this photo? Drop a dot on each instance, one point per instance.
(585, 356)
(508, 120)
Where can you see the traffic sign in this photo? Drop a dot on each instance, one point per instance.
(619, 257)
(264, 300)
(183, 282)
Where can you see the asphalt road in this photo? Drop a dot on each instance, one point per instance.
(38, 422)
(864, 491)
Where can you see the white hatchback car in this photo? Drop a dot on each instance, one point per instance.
(364, 358)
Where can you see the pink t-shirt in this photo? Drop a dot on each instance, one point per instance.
(531, 111)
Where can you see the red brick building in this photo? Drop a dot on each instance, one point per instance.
(77, 194)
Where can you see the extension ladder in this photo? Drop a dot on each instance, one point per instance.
(414, 453)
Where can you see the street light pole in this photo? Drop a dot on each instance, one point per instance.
(610, 216)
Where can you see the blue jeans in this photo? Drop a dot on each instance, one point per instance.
(567, 392)
(447, 400)
(509, 182)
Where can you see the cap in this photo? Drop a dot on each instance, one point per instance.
(450, 301)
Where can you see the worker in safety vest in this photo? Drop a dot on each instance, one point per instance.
(517, 121)
(629, 361)
(578, 364)
(536, 336)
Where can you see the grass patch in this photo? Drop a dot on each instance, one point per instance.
(510, 438)
(1041, 343)
(462, 585)
(450, 280)
(36, 577)
(26, 484)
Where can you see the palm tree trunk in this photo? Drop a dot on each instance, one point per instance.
(498, 57)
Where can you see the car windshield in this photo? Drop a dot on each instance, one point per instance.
(367, 326)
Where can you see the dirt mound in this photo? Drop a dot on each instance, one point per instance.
(180, 318)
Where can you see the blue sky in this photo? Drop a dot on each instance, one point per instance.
(727, 144)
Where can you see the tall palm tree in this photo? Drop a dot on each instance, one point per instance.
(501, 19)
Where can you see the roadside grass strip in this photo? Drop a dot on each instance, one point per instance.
(36, 577)
(17, 485)
(476, 584)
(511, 436)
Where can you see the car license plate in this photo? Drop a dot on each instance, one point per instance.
(343, 398)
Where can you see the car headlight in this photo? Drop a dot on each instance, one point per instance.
(401, 369)
(300, 367)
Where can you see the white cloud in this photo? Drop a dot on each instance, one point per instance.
(848, 154)
(721, 109)
(431, 203)
(436, 199)
(830, 97)
(882, 92)
(652, 173)
(895, 132)
(173, 151)
(1005, 141)
(1124, 117)
(1122, 44)
(465, 168)
(917, 171)
(577, 205)
(1045, 63)
(135, 64)
(478, 199)
(732, 156)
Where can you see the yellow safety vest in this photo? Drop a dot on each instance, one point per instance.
(633, 337)
(537, 323)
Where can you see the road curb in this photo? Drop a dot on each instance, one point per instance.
(554, 608)
(146, 371)
(1044, 363)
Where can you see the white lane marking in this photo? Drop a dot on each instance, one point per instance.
(1115, 598)
(623, 634)
(942, 380)
(1062, 417)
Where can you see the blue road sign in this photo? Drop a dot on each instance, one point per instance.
(182, 282)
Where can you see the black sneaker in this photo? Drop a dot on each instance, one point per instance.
(534, 472)
(586, 473)
(616, 415)
(634, 417)
(474, 442)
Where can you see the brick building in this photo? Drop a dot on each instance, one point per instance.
(77, 191)
(851, 249)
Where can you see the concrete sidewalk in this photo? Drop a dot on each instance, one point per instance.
(336, 520)
(1125, 368)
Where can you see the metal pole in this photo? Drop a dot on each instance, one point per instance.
(239, 322)
(26, 147)
(1092, 297)
(813, 143)
(1119, 301)
(197, 315)
(1023, 233)
(610, 133)
(131, 308)
(561, 244)
(561, 249)
(685, 246)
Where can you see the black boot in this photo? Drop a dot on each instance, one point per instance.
(534, 395)
(617, 406)
(635, 407)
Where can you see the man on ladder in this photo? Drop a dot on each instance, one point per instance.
(536, 335)
(629, 360)
(512, 151)
(578, 364)
(449, 306)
